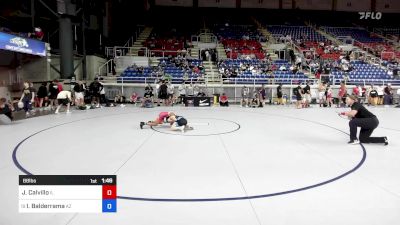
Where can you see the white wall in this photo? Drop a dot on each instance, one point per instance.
(218, 3)
(36, 70)
(388, 6)
(353, 5)
(4, 82)
(314, 4)
(269, 4)
(184, 3)
(92, 65)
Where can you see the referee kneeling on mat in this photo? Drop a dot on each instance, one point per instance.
(361, 117)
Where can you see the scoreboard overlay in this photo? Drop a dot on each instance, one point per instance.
(67, 193)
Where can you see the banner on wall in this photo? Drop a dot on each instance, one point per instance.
(20, 44)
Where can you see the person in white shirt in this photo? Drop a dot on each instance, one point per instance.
(63, 98)
(170, 90)
(182, 92)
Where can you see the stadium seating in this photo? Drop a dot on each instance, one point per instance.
(363, 72)
(148, 75)
(247, 77)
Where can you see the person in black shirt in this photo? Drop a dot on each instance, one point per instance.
(42, 94)
(307, 95)
(53, 92)
(298, 92)
(147, 100)
(363, 118)
(388, 97)
(28, 98)
(163, 95)
(279, 94)
(95, 88)
(79, 91)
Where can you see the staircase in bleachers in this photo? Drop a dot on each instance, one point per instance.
(138, 45)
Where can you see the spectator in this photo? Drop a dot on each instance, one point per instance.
(79, 90)
(245, 96)
(388, 91)
(134, 97)
(342, 94)
(158, 85)
(182, 92)
(171, 89)
(298, 92)
(255, 101)
(190, 90)
(223, 100)
(380, 91)
(120, 99)
(307, 95)
(163, 95)
(329, 95)
(147, 100)
(95, 88)
(27, 98)
(373, 96)
(64, 98)
(5, 112)
(201, 93)
(279, 94)
(321, 93)
(42, 95)
(262, 95)
(53, 92)
(103, 98)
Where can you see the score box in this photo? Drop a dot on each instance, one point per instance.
(67, 193)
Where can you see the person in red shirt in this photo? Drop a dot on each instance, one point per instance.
(159, 120)
(355, 91)
(342, 95)
(223, 100)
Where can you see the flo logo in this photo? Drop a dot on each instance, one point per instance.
(370, 15)
(20, 42)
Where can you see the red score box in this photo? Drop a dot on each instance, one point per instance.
(109, 191)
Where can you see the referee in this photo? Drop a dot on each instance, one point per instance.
(361, 117)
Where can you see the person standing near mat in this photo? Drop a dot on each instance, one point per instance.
(28, 98)
(361, 117)
(64, 98)
(159, 120)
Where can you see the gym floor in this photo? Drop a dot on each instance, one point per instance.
(272, 165)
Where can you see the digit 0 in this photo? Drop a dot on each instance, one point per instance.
(109, 206)
(109, 192)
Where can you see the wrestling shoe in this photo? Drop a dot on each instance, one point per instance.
(386, 141)
(141, 125)
(353, 142)
(182, 128)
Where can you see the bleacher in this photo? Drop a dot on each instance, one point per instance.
(149, 75)
(297, 32)
(363, 72)
(358, 34)
(247, 77)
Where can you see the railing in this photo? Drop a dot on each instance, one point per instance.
(164, 53)
(106, 68)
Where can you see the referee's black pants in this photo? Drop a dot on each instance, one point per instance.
(367, 126)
